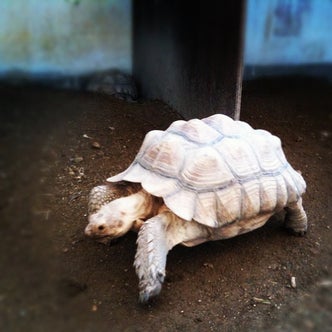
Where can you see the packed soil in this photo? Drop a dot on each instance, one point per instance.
(56, 145)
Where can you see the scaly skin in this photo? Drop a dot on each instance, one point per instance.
(150, 259)
(104, 194)
(296, 218)
(156, 237)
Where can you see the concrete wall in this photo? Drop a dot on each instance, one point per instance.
(64, 36)
(74, 36)
(189, 54)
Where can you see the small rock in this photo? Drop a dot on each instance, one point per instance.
(94, 308)
(324, 134)
(76, 159)
(74, 196)
(96, 145)
(259, 300)
(208, 265)
(80, 173)
(293, 282)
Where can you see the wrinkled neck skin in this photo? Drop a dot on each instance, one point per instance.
(119, 216)
(132, 207)
(139, 206)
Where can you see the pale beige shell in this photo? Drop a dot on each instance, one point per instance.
(215, 170)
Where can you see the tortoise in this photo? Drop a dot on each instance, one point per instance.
(197, 181)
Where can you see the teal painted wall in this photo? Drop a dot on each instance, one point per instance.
(65, 36)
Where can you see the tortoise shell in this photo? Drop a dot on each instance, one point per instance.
(215, 170)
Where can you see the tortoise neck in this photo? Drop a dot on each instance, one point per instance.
(141, 205)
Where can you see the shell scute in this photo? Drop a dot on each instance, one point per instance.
(250, 198)
(180, 199)
(195, 131)
(282, 193)
(296, 185)
(226, 126)
(164, 156)
(228, 203)
(204, 169)
(239, 157)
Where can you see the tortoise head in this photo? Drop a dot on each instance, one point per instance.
(110, 221)
(111, 217)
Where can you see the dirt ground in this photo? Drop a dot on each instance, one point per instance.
(56, 145)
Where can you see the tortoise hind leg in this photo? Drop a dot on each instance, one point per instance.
(296, 218)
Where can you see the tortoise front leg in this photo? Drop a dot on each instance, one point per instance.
(150, 258)
(296, 218)
(156, 237)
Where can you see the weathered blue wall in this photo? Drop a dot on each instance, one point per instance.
(295, 35)
(64, 36)
(77, 36)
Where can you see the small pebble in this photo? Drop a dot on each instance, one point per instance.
(259, 300)
(94, 308)
(96, 145)
(77, 159)
(293, 282)
(324, 134)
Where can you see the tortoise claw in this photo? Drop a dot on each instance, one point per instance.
(150, 292)
(297, 233)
